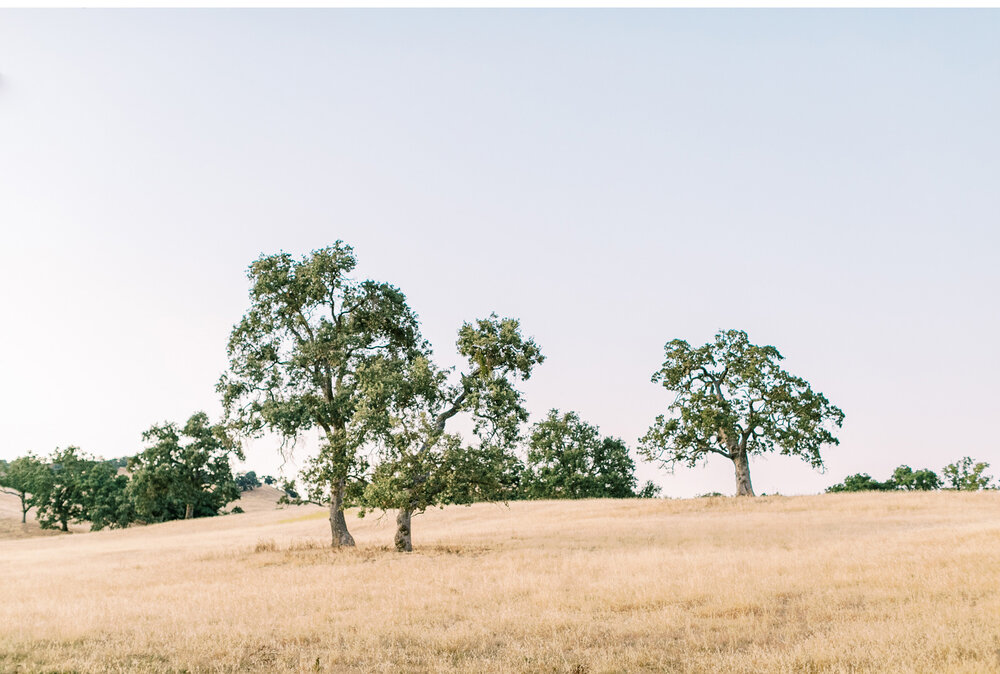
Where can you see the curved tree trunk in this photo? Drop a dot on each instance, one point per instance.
(743, 485)
(188, 511)
(338, 525)
(403, 541)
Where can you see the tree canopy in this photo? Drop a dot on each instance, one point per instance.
(967, 474)
(733, 399)
(184, 472)
(296, 360)
(410, 404)
(22, 478)
(75, 487)
(568, 458)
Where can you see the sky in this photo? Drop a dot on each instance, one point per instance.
(825, 180)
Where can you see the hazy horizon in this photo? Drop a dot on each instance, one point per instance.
(825, 180)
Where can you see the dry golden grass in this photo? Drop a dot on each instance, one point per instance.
(832, 583)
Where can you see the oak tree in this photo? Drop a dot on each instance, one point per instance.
(296, 361)
(568, 458)
(185, 471)
(20, 478)
(75, 487)
(733, 399)
(422, 465)
(967, 474)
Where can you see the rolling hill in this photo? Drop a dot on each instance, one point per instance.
(902, 582)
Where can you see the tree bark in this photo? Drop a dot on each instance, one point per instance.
(24, 510)
(338, 525)
(404, 543)
(65, 525)
(743, 485)
(188, 511)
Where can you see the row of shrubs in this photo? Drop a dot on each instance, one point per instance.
(966, 474)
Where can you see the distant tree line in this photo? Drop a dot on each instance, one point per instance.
(966, 474)
(185, 472)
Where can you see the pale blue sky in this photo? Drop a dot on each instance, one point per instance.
(828, 181)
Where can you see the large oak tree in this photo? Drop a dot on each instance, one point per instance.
(733, 399)
(296, 360)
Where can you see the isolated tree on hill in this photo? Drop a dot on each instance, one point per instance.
(247, 480)
(568, 458)
(185, 471)
(424, 466)
(20, 478)
(296, 358)
(734, 400)
(966, 474)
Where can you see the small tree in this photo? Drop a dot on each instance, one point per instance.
(20, 478)
(733, 399)
(907, 479)
(422, 466)
(967, 475)
(59, 498)
(247, 480)
(296, 358)
(185, 472)
(568, 458)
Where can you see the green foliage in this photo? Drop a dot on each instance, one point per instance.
(21, 478)
(862, 482)
(76, 488)
(733, 399)
(184, 472)
(967, 474)
(649, 489)
(269, 480)
(297, 358)
(59, 499)
(568, 458)
(907, 479)
(107, 502)
(291, 495)
(247, 480)
(903, 478)
(423, 466)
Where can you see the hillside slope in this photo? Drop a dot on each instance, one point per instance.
(261, 499)
(841, 582)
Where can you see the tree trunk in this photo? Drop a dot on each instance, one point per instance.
(65, 525)
(742, 463)
(24, 510)
(338, 525)
(188, 511)
(403, 541)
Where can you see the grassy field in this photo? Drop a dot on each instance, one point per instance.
(835, 583)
